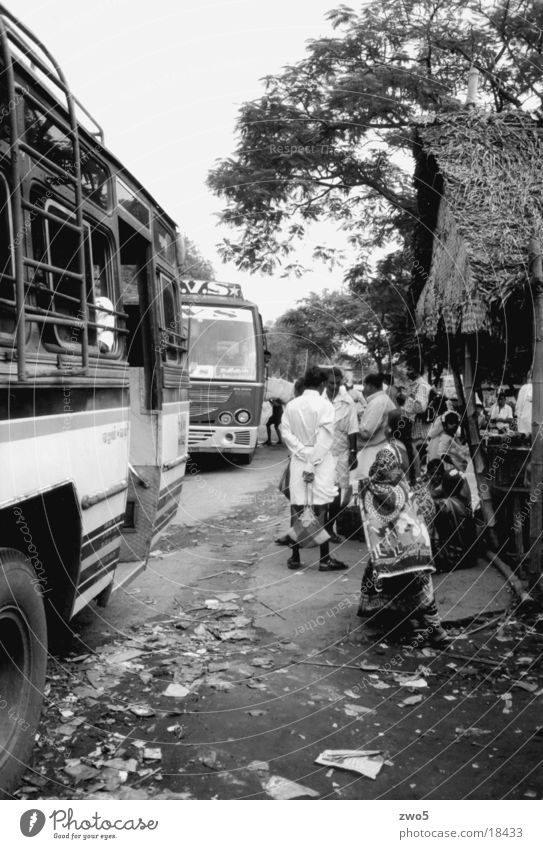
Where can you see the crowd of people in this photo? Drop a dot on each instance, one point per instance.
(395, 457)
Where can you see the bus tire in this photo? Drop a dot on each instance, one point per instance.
(23, 662)
(244, 459)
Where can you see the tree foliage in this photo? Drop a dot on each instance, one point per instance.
(323, 142)
(195, 265)
(364, 320)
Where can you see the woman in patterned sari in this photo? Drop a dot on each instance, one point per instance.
(397, 579)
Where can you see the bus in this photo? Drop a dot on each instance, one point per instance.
(94, 406)
(227, 368)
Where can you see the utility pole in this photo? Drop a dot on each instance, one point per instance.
(536, 467)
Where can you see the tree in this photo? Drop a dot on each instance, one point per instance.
(324, 140)
(326, 326)
(195, 265)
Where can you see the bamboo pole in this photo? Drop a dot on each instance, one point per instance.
(536, 475)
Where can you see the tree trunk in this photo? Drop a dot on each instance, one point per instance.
(536, 468)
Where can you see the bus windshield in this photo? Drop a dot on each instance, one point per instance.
(222, 343)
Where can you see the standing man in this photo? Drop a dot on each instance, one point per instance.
(524, 406)
(416, 406)
(275, 420)
(344, 445)
(373, 424)
(308, 433)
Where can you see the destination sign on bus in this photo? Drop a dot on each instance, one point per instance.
(211, 287)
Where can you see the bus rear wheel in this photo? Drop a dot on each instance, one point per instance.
(23, 661)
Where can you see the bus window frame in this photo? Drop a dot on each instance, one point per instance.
(165, 280)
(86, 154)
(117, 352)
(250, 308)
(75, 347)
(160, 256)
(145, 229)
(8, 338)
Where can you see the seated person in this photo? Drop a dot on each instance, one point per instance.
(450, 447)
(500, 412)
(104, 316)
(453, 532)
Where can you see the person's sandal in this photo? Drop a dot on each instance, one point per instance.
(439, 639)
(292, 563)
(284, 540)
(335, 539)
(330, 564)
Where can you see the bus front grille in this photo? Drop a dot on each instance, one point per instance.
(197, 410)
(196, 436)
(242, 437)
(209, 395)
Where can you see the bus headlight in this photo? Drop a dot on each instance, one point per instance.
(225, 418)
(243, 417)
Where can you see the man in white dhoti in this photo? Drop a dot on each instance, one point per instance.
(308, 432)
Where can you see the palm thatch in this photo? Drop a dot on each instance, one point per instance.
(480, 190)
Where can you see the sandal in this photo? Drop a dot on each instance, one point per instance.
(330, 564)
(292, 563)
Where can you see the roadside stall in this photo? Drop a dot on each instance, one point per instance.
(477, 285)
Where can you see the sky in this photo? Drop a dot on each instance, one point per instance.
(165, 80)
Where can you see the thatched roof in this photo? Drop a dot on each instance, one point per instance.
(479, 179)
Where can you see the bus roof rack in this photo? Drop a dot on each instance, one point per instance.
(38, 61)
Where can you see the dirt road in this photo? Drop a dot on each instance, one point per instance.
(220, 672)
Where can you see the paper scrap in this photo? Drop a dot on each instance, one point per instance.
(282, 788)
(365, 762)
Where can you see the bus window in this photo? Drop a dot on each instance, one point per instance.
(7, 273)
(48, 138)
(103, 295)
(62, 245)
(170, 313)
(164, 243)
(222, 343)
(129, 201)
(95, 182)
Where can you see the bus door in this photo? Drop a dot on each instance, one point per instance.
(144, 469)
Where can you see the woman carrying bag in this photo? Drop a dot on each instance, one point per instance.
(398, 578)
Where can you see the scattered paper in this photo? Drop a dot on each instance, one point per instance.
(508, 699)
(414, 683)
(141, 710)
(80, 772)
(282, 788)
(357, 710)
(365, 762)
(176, 691)
(410, 700)
(152, 754)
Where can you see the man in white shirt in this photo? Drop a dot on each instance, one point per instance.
(524, 406)
(501, 412)
(308, 433)
(373, 423)
(104, 316)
